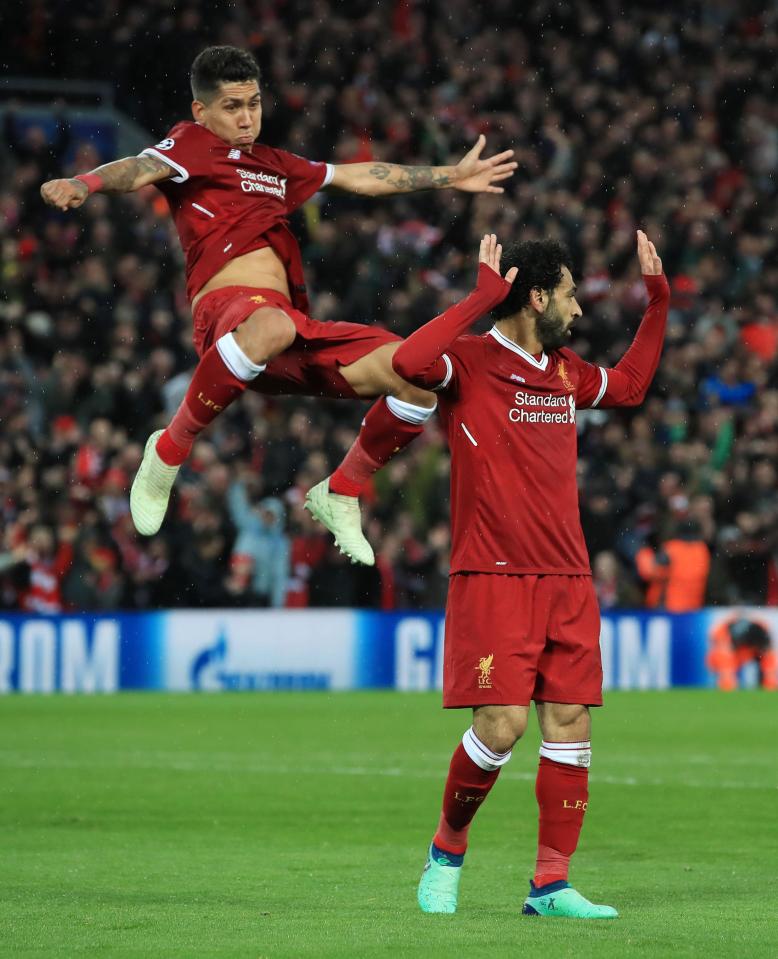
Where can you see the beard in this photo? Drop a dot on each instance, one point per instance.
(551, 330)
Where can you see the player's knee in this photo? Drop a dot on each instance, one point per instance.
(410, 412)
(483, 755)
(407, 393)
(502, 739)
(265, 334)
(500, 727)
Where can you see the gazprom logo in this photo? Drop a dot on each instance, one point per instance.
(224, 666)
(69, 655)
(205, 666)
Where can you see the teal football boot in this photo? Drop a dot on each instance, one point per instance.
(439, 884)
(562, 901)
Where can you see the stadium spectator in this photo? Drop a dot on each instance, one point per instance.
(261, 552)
(47, 563)
(614, 590)
(676, 575)
(734, 643)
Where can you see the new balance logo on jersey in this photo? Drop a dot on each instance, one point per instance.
(251, 182)
(543, 408)
(519, 379)
(233, 155)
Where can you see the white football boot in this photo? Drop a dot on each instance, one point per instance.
(151, 488)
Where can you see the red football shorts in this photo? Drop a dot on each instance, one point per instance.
(311, 364)
(511, 639)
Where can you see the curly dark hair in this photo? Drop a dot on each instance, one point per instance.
(216, 65)
(540, 265)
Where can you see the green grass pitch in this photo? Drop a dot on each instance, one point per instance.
(296, 826)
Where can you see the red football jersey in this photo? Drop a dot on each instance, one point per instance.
(226, 201)
(511, 424)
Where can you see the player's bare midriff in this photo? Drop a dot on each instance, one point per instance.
(259, 268)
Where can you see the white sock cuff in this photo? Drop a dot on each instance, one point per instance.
(569, 754)
(481, 755)
(236, 360)
(408, 412)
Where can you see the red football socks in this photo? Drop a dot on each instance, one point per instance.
(212, 389)
(383, 434)
(466, 788)
(562, 792)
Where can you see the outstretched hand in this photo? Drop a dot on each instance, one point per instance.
(650, 264)
(64, 194)
(474, 175)
(490, 254)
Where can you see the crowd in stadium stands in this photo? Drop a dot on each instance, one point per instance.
(667, 120)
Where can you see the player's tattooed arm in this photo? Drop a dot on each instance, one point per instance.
(471, 174)
(131, 173)
(406, 179)
(120, 176)
(384, 179)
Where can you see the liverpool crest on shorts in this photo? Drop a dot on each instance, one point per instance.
(485, 669)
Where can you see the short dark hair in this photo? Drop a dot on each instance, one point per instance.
(540, 265)
(216, 65)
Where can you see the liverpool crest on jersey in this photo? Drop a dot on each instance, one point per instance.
(566, 381)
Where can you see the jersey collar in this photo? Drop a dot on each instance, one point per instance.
(503, 340)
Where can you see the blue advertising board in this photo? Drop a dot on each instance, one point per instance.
(230, 650)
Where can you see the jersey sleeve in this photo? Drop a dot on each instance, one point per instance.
(592, 382)
(627, 383)
(424, 357)
(452, 369)
(303, 177)
(185, 150)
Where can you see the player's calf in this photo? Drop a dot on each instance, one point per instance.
(221, 376)
(389, 426)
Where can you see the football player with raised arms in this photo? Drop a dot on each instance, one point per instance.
(230, 197)
(522, 622)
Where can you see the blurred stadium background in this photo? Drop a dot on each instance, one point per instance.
(136, 825)
(665, 119)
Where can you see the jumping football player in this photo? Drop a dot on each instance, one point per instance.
(230, 197)
(522, 621)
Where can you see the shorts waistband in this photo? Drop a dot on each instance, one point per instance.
(272, 296)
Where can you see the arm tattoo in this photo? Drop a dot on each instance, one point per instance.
(404, 179)
(122, 176)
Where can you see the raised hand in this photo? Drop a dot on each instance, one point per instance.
(490, 253)
(64, 194)
(650, 264)
(474, 175)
